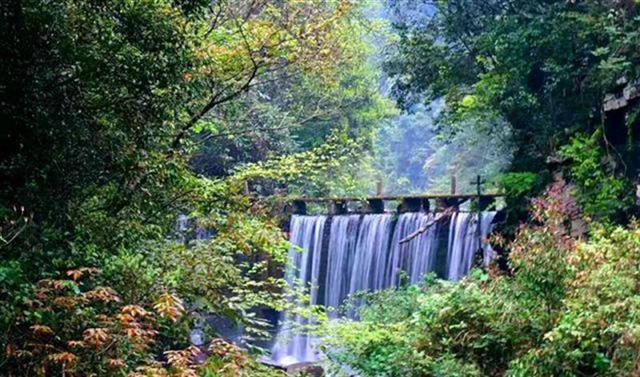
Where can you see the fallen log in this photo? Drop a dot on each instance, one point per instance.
(444, 214)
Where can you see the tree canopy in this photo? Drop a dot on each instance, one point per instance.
(545, 66)
(146, 145)
(108, 108)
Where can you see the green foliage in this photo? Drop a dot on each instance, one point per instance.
(99, 102)
(445, 331)
(595, 333)
(543, 66)
(335, 167)
(300, 111)
(568, 307)
(518, 185)
(227, 360)
(602, 194)
(518, 188)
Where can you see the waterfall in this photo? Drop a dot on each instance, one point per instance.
(464, 242)
(340, 258)
(370, 253)
(364, 253)
(415, 257)
(306, 239)
(183, 226)
(421, 252)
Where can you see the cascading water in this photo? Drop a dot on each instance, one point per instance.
(464, 241)
(306, 234)
(340, 258)
(364, 253)
(370, 253)
(415, 257)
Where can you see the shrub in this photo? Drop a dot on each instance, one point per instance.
(567, 307)
(602, 194)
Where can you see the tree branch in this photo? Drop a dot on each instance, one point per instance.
(280, 126)
(446, 213)
(217, 99)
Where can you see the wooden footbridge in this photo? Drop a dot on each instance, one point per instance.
(405, 203)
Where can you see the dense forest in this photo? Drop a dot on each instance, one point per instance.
(148, 149)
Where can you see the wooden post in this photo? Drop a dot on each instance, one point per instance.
(409, 204)
(379, 188)
(375, 206)
(425, 205)
(299, 207)
(337, 207)
(479, 225)
(486, 202)
(453, 184)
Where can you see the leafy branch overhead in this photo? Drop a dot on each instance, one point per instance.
(262, 43)
(92, 95)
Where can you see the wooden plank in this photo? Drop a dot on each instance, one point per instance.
(392, 197)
